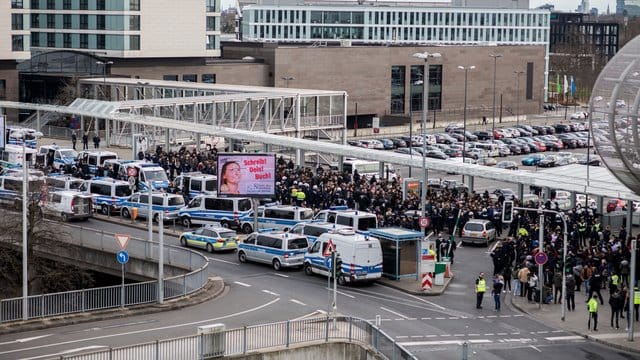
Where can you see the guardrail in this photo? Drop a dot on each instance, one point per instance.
(257, 338)
(46, 305)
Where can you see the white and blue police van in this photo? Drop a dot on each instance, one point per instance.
(329, 215)
(276, 217)
(11, 188)
(56, 157)
(108, 194)
(361, 256)
(193, 184)
(15, 136)
(11, 156)
(212, 210)
(278, 249)
(167, 204)
(144, 172)
(358, 220)
(96, 158)
(62, 182)
(313, 230)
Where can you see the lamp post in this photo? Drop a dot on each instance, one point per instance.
(104, 76)
(287, 79)
(25, 185)
(425, 104)
(518, 73)
(495, 68)
(464, 123)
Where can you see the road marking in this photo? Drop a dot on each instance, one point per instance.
(223, 261)
(474, 334)
(270, 292)
(440, 318)
(23, 340)
(395, 313)
(281, 275)
(489, 334)
(535, 348)
(491, 316)
(341, 293)
(124, 334)
(453, 318)
(501, 334)
(564, 338)
(445, 335)
(298, 302)
(421, 300)
(417, 336)
(543, 332)
(402, 337)
(457, 293)
(426, 318)
(241, 284)
(557, 331)
(431, 335)
(92, 347)
(458, 335)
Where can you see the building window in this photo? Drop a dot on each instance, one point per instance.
(35, 20)
(211, 23)
(66, 39)
(66, 21)
(3, 89)
(51, 21)
(435, 87)
(529, 88)
(397, 89)
(209, 78)
(416, 88)
(51, 4)
(84, 41)
(66, 4)
(100, 41)
(134, 22)
(17, 4)
(190, 77)
(100, 22)
(17, 43)
(100, 5)
(84, 4)
(84, 22)
(211, 5)
(170, 77)
(134, 42)
(134, 5)
(17, 22)
(51, 40)
(35, 39)
(213, 42)
(35, 4)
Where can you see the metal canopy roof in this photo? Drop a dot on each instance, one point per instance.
(566, 178)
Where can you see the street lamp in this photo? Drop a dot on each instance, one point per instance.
(464, 123)
(425, 104)
(104, 75)
(287, 79)
(518, 73)
(25, 185)
(495, 68)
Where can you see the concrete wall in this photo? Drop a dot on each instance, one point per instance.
(330, 350)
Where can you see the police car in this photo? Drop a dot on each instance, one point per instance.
(211, 238)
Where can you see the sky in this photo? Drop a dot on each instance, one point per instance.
(564, 5)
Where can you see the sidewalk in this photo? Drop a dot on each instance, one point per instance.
(576, 321)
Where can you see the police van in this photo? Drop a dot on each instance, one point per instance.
(278, 249)
(15, 136)
(56, 157)
(108, 194)
(11, 188)
(212, 210)
(95, 159)
(329, 215)
(276, 217)
(67, 205)
(11, 156)
(168, 204)
(361, 256)
(313, 230)
(144, 172)
(358, 220)
(196, 183)
(63, 182)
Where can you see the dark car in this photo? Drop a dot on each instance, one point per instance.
(483, 135)
(562, 128)
(442, 138)
(436, 154)
(549, 161)
(453, 126)
(399, 143)
(509, 165)
(524, 149)
(452, 152)
(529, 129)
(568, 141)
(458, 137)
(508, 194)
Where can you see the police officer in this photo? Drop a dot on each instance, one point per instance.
(481, 287)
(592, 306)
(613, 283)
(300, 197)
(636, 301)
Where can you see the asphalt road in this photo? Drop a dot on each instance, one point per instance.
(430, 327)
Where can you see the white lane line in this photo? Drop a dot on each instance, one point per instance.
(402, 337)
(564, 338)
(223, 261)
(297, 302)
(426, 318)
(515, 333)
(440, 318)
(417, 298)
(241, 284)
(521, 340)
(453, 318)
(543, 332)
(489, 334)
(474, 334)
(445, 335)
(417, 336)
(341, 293)
(501, 334)
(431, 335)
(427, 343)
(23, 340)
(518, 315)
(281, 275)
(491, 316)
(270, 292)
(535, 348)
(557, 331)
(479, 341)
(458, 335)
(480, 317)
(412, 319)
(394, 313)
(505, 316)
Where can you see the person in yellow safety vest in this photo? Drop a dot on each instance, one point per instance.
(522, 232)
(481, 287)
(636, 302)
(592, 306)
(294, 194)
(613, 283)
(300, 197)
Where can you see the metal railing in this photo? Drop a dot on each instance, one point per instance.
(258, 338)
(62, 303)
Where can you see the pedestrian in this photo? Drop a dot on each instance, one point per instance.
(571, 292)
(85, 141)
(592, 306)
(96, 141)
(481, 287)
(557, 287)
(532, 287)
(74, 139)
(523, 276)
(496, 291)
(595, 284)
(617, 302)
(636, 302)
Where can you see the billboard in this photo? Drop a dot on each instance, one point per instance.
(246, 175)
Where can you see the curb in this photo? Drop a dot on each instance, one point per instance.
(439, 292)
(212, 289)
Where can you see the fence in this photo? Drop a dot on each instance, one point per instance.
(45, 305)
(257, 338)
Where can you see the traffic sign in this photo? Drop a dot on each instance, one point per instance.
(122, 257)
(132, 180)
(122, 240)
(330, 248)
(132, 171)
(424, 222)
(541, 258)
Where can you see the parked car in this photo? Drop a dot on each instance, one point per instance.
(509, 165)
(387, 144)
(487, 161)
(211, 238)
(443, 138)
(549, 161)
(527, 128)
(436, 154)
(483, 135)
(453, 126)
(498, 134)
(467, 134)
(532, 159)
(579, 115)
(567, 141)
(562, 128)
(399, 143)
(408, 151)
(591, 160)
(508, 194)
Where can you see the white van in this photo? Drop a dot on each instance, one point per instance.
(11, 189)
(313, 230)
(168, 204)
(367, 168)
(196, 183)
(63, 182)
(491, 149)
(361, 256)
(94, 159)
(358, 220)
(108, 194)
(14, 136)
(329, 215)
(276, 217)
(56, 157)
(11, 156)
(212, 210)
(276, 248)
(143, 173)
(68, 205)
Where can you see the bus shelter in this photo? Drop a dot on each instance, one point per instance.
(399, 251)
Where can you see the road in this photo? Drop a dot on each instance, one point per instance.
(430, 327)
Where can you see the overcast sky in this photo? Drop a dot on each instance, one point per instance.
(564, 5)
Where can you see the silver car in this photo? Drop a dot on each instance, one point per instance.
(478, 231)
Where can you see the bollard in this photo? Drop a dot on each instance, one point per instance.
(465, 350)
(378, 320)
